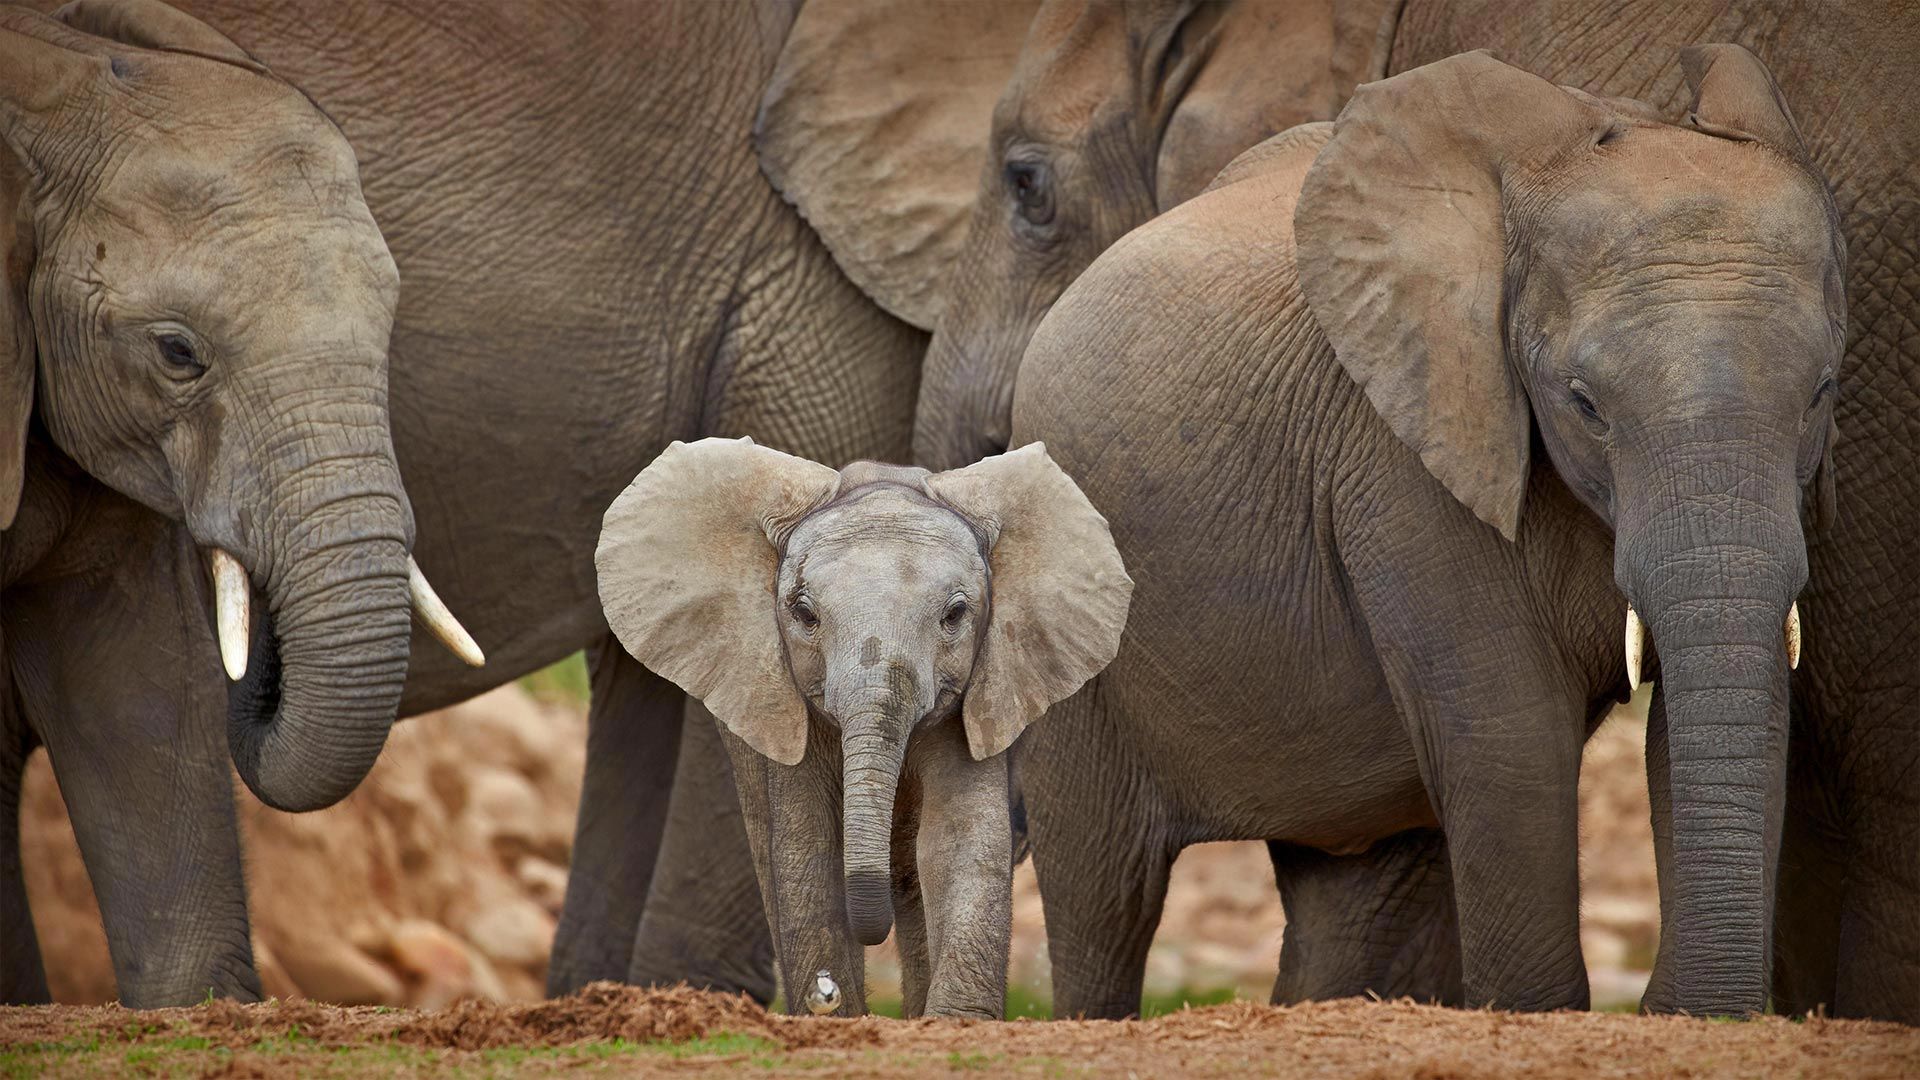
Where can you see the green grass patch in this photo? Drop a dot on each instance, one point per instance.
(141, 1051)
(566, 681)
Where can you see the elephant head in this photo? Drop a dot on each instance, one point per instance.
(195, 310)
(1496, 261)
(1091, 117)
(878, 599)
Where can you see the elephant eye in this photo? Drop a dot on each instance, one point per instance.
(178, 353)
(803, 614)
(1821, 392)
(1032, 191)
(956, 613)
(1588, 410)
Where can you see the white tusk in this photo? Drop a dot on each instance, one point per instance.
(435, 617)
(233, 612)
(1793, 635)
(1636, 647)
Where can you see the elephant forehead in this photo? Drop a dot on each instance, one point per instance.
(1664, 195)
(882, 541)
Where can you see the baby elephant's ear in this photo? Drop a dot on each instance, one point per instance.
(1060, 592)
(687, 569)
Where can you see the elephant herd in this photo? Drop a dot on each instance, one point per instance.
(1410, 378)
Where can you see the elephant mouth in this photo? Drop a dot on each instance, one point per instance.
(253, 700)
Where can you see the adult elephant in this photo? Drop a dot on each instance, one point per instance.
(1848, 916)
(193, 331)
(1386, 532)
(594, 267)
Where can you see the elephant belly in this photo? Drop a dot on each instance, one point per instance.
(1212, 433)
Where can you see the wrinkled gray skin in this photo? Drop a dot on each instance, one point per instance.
(194, 322)
(873, 640)
(593, 267)
(1107, 121)
(1848, 916)
(1327, 646)
(1849, 909)
(884, 566)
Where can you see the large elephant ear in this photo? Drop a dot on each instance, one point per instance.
(874, 126)
(45, 75)
(687, 564)
(1269, 65)
(1401, 247)
(1060, 591)
(150, 24)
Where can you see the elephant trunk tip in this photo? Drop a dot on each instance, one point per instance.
(870, 904)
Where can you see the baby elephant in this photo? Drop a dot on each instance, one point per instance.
(872, 640)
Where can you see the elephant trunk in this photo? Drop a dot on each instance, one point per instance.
(965, 409)
(1714, 573)
(327, 665)
(874, 731)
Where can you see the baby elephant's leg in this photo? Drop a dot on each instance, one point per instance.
(965, 857)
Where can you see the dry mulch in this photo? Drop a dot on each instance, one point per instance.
(1342, 1038)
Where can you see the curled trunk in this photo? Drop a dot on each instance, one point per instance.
(329, 660)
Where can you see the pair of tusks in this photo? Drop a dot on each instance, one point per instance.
(233, 611)
(1637, 642)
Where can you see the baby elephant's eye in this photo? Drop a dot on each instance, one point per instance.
(956, 613)
(804, 615)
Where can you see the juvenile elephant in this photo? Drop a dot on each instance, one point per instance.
(1366, 602)
(873, 639)
(1848, 915)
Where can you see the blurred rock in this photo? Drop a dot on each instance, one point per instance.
(465, 822)
(442, 876)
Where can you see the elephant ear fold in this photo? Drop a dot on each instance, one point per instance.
(687, 563)
(18, 357)
(150, 24)
(874, 126)
(1263, 68)
(1735, 97)
(1401, 248)
(1060, 591)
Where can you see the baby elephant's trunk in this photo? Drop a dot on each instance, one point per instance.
(874, 724)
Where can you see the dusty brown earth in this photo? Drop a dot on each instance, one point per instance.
(441, 877)
(632, 1032)
(435, 889)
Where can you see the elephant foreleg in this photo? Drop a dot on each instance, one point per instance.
(1380, 922)
(704, 922)
(799, 866)
(964, 855)
(118, 673)
(633, 735)
(909, 897)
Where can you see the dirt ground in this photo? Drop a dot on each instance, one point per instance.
(623, 1031)
(441, 878)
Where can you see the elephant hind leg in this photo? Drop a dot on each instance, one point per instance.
(705, 923)
(23, 979)
(633, 734)
(1103, 846)
(1381, 922)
